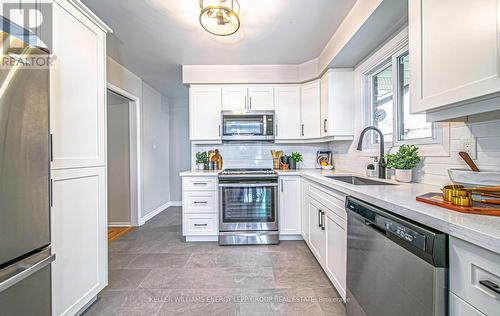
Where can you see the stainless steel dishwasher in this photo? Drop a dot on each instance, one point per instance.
(394, 266)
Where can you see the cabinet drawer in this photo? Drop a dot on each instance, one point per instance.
(200, 225)
(330, 198)
(200, 202)
(460, 308)
(199, 183)
(469, 265)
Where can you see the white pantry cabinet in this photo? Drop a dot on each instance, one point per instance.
(287, 125)
(205, 104)
(77, 89)
(77, 105)
(311, 110)
(289, 205)
(79, 237)
(247, 98)
(337, 104)
(454, 57)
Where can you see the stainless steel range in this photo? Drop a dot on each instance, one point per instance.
(248, 207)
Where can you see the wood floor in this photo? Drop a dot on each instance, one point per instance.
(116, 232)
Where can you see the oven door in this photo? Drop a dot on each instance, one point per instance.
(248, 206)
(247, 127)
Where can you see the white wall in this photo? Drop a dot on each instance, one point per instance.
(118, 155)
(155, 136)
(180, 146)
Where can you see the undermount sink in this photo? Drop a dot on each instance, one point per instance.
(358, 180)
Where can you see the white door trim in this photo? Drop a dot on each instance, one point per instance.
(135, 153)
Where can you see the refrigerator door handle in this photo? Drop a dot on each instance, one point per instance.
(24, 270)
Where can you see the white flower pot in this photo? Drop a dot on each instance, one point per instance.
(404, 175)
(201, 166)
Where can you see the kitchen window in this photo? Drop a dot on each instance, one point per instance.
(388, 104)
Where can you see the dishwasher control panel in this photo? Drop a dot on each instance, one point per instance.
(403, 232)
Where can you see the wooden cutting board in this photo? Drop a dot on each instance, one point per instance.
(477, 208)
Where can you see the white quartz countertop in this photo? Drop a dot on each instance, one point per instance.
(400, 199)
(199, 173)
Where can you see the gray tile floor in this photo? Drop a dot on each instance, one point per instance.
(153, 272)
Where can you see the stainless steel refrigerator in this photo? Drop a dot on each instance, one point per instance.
(25, 256)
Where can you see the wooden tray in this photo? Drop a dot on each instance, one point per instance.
(477, 208)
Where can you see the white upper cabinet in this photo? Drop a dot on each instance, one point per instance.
(310, 110)
(234, 98)
(77, 90)
(260, 98)
(247, 98)
(205, 103)
(454, 56)
(288, 123)
(289, 205)
(337, 104)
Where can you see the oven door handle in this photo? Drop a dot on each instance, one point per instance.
(246, 185)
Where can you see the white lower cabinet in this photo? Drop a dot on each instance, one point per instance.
(326, 235)
(200, 208)
(79, 237)
(336, 251)
(474, 277)
(459, 307)
(289, 205)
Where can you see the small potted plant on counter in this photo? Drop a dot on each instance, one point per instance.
(295, 158)
(201, 159)
(403, 162)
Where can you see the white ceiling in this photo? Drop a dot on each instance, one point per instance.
(153, 38)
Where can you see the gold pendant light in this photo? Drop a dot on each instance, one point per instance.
(220, 17)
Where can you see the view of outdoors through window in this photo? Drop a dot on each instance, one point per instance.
(390, 96)
(382, 103)
(412, 126)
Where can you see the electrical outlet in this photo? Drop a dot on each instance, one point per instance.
(469, 145)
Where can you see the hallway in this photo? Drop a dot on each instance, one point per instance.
(153, 272)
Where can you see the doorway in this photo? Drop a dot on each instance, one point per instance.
(123, 160)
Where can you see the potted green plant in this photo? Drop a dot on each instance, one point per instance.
(403, 161)
(201, 159)
(295, 158)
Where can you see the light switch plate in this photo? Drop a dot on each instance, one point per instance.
(469, 145)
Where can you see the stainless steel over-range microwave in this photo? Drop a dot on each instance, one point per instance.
(247, 126)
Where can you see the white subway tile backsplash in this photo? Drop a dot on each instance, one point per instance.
(258, 155)
(434, 170)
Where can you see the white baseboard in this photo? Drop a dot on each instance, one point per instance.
(291, 237)
(158, 210)
(119, 224)
(175, 203)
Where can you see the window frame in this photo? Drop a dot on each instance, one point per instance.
(392, 59)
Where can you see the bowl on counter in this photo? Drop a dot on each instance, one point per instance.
(470, 178)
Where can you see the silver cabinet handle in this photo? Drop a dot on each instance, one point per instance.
(276, 129)
(319, 218)
(322, 220)
(51, 147)
(219, 130)
(490, 286)
(24, 270)
(246, 103)
(250, 103)
(200, 202)
(302, 131)
(324, 125)
(199, 183)
(281, 185)
(51, 196)
(200, 225)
